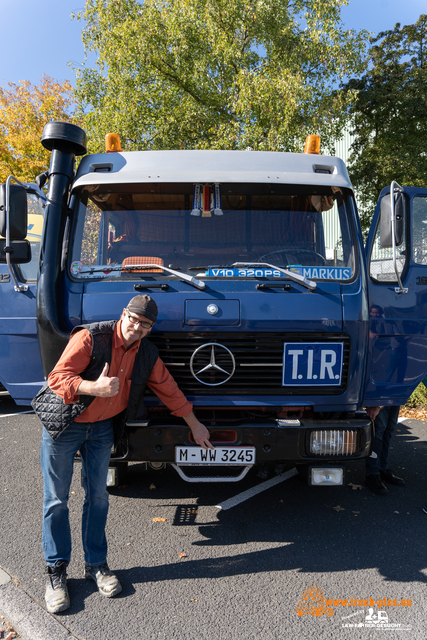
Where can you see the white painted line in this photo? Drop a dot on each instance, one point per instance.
(245, 495)
(8, 415)
(4, 577)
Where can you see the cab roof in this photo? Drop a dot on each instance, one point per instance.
(199, 166)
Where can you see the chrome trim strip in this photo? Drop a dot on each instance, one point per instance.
(261, 364)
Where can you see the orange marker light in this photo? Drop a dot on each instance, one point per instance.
(312, 144)
(112, 142)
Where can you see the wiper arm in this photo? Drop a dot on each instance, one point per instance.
(184, 277)
(199, 284)
(305, 282)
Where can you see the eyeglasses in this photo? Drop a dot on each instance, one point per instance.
(135, 321)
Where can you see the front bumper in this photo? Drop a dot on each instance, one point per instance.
(300, 441)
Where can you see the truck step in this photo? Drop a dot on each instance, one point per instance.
(212, 477)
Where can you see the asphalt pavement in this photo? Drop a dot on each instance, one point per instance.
(237, 561)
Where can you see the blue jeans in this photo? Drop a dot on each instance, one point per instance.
(94, 441)
(385, 425)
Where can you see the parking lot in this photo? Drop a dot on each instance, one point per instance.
(272, 559)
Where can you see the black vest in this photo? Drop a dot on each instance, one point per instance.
(57, 416)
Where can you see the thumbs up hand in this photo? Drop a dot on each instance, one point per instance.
(104, 372)
(106, 387)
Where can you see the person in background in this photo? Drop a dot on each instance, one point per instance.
(96, 386)
(377, 470)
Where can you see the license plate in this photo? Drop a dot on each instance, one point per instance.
(217, 456)
(312, 364)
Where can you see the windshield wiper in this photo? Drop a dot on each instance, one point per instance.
(184, 277)
(296, 277)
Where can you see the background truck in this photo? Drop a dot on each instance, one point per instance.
(21, 371)
(273, 319)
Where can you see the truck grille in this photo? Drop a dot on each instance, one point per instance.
(258, 362)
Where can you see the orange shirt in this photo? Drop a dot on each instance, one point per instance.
(65, 378)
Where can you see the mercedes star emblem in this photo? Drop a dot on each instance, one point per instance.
(212, 364)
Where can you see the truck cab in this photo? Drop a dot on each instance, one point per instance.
(266, 297)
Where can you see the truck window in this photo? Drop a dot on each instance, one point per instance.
(121, 225)
(381, 260)
(419, 230)
(28, 272)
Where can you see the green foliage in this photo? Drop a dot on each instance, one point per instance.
(390, 115)
(218, 74)
(418, 397)
(24, 110)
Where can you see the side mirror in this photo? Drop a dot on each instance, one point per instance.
(386, 240)
(17, 212)
(19, 251)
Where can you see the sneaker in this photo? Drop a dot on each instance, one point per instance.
(389, 476)
(56, 596)
(107, 583)
(373, 482)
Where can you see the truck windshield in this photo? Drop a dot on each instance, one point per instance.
(237, 233)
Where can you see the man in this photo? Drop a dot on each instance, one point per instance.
(97, 384)
(385, 423)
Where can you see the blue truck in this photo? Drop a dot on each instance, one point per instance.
(274, 318)
(21, 371)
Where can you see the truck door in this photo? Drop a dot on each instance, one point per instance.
(21, 373)
(397, 288)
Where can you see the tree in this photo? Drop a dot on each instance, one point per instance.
(24, 110)
(390, 115)
(226, 74)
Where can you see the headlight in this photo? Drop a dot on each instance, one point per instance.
(333, 443)
(111, 477)
(332, 476)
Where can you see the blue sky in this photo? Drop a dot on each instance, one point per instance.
(39, 37)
